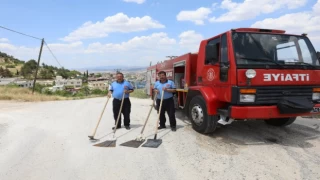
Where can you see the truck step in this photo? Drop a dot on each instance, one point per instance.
(224, 122)
(223, 112)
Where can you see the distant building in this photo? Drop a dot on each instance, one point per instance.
(16, 81)
(57, 88)
(6, 81)
(24, 84)
(97, 79)
(68, 82)
(138, 84)
(102, 85)
(45, 82)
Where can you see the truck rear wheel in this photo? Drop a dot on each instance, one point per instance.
(280, 121)
(201, 121)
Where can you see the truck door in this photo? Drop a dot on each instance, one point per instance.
(210, 71)
(224, 67)
(216, 68)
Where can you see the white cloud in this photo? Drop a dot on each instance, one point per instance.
(250, 9)
(135, 1)
(59, 50)
(297, 23)
(139, 50)
(198, 16)
(303, 22)
(316, 8)
(74, 47)
(154, 42)
(20, 52)
(190, 40)
(117, 23)
(4, 40)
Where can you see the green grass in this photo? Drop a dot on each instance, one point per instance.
(139, 93)
(25, 94)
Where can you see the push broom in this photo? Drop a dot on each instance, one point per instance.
(140, 139)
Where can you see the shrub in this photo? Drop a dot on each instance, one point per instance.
(10, 66)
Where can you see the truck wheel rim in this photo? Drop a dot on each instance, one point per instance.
(197, 114)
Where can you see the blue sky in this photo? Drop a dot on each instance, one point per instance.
(116, 32)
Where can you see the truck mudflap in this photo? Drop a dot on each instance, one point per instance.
(266, 112)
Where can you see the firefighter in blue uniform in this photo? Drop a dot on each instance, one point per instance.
(116, 89)
(168, 103)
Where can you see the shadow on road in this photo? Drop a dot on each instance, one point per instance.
(244, 133)
(133, 127)
(257, 132)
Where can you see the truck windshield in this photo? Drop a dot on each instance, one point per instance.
(274, 49)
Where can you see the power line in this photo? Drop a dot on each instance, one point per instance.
(52, 53)
(20, 33)
(34, 38)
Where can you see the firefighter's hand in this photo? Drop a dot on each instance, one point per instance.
(156, 90)
(126, 91)
(109, 95)
(164, 89)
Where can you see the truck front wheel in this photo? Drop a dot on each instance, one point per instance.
(280, 121)
(201, 121)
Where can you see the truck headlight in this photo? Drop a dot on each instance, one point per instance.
(251, 73)
(247, 97)
(315, 96)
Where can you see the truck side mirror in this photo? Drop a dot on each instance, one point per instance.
(211, 54)
(318, 55)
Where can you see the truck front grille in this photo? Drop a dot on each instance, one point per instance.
(272, 95)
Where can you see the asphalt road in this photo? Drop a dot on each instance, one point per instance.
(48, 140)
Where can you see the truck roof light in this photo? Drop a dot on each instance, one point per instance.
(259, 30)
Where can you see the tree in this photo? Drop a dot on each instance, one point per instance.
(7, 73)
(17, 73)
(63, 72)
(28, 69)
(1, 71)
(98, 75)
(86, 90)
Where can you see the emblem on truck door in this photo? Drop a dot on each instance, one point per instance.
(210, 74)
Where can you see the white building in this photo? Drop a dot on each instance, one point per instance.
(56, 88)
(6, 81)
(24, 84)
(102, 85)
(76, 83)
(45, 82)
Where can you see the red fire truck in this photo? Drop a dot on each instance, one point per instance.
(245, 74)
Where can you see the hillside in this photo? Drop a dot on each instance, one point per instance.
(11, 63)
(27, 69)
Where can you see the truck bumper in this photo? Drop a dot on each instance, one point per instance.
(264, 112)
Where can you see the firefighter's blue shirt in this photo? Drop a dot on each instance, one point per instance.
(168, 84)
(117, 89)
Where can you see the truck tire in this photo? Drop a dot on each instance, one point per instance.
(201, 121)
(280, 122)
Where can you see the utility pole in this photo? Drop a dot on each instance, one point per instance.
(117, 70)
(36, 73)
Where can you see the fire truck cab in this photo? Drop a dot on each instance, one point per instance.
(246, 74)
